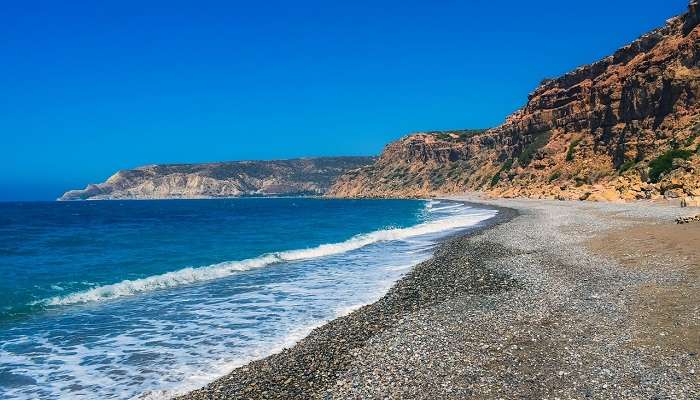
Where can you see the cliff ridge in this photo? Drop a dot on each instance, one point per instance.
(304, 176)
(626, 127)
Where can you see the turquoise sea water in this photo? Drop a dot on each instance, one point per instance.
(126, 299)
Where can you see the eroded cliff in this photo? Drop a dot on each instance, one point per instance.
(306, 176)
(625, 127)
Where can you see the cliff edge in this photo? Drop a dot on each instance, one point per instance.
(626, 127)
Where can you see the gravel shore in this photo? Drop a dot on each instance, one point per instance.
(546, 303)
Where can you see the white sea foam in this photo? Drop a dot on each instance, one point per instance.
(221, 368)
(178, 341)
(192, 275)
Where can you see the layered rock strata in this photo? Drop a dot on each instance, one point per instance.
(626, 127)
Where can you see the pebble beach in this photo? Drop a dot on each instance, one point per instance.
(550, 299)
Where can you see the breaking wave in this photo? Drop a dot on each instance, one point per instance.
(192, 275)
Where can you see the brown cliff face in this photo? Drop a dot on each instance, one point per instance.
(625, 127)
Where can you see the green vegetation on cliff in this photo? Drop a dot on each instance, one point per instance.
(572, 150)
(664, 163)
(540, 140)
(505, 168)
(457, 136)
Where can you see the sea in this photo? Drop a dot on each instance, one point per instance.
(148, 299)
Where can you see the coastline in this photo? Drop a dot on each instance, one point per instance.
(538, 301)
(311, 365)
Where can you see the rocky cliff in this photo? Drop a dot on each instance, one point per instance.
(625, 127)
(306, 176)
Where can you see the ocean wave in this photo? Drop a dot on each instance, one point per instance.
(192, 275)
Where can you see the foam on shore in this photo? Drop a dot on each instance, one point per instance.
(191, 275)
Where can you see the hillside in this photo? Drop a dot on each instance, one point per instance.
(305, 176)
(626, 127)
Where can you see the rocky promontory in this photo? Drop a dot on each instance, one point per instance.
(304, 176)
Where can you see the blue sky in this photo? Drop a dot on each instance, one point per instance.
(89, 88)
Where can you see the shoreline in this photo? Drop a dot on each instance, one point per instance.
(282, 375)
(523, 306)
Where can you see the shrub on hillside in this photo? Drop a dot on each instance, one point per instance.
(664, 163)
(504, 168)
(529, 151)
(572, 150)
(556, 175)
(626, 166)
(454, 136)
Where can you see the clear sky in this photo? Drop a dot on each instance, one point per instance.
(88, 88)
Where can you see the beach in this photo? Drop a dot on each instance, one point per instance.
(351, 201)
(550, 299)
(175, 294)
